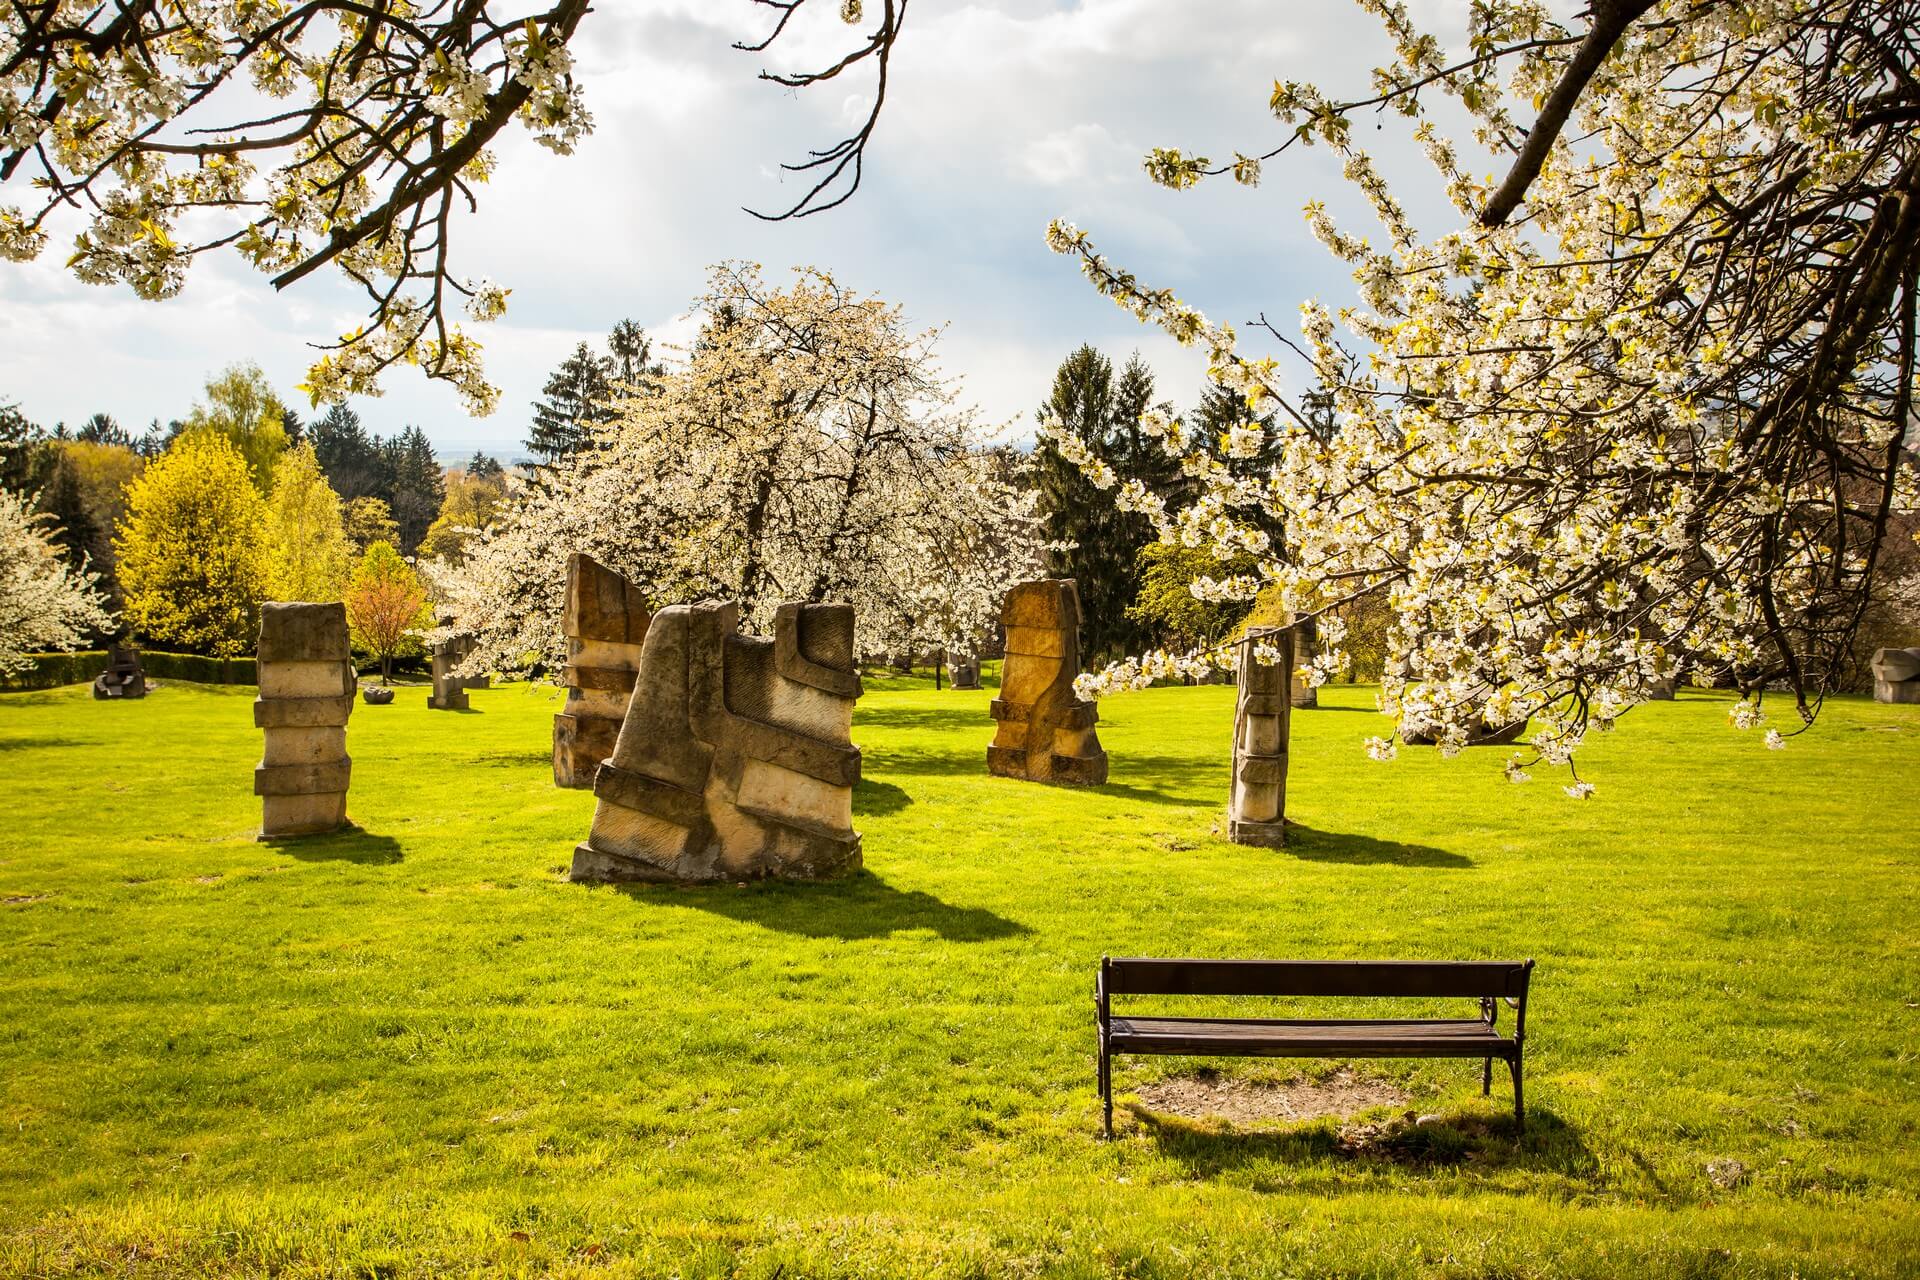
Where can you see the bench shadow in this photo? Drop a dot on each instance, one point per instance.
(349, 844)
(860, 906)
(1309, 845)
(1446, 1141)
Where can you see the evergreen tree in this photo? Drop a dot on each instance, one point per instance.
(102, 429)
(71, 528)
(576, 394)
(349, 456)
(487, 471)
(413, 485)
(26, 460)
(632, 368)
(1103, 559)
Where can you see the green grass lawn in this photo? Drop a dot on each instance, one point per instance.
(417, 1050)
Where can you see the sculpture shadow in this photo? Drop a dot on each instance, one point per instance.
(860, 906)
(1309, 845)
(32, 743)
(875, 798)
(1208, 1148)
(349, 844)
(948, 718)
(514, 759)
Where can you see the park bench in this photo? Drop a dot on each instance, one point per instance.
(1490, 982)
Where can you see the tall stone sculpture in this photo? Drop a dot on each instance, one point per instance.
(605, 623)
(735, 759)
(306, 695)
(124, 677)
(1896, 675)
(1045, 732)
(1306, 697)
(966, 672)
(1257, 806)
(449, 691)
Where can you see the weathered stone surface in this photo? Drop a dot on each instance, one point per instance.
(734, 759)
(1896, 675)
(606, 621)
(123, 677)
(292, 632)
(450, 691)
(1044, 732)
(1257, 803)
(306, 697)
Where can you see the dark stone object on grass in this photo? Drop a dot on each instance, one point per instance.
(123, 677)
(376, 696)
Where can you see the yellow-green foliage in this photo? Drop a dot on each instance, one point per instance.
(193, 548)
(1166, 602)
(309, 556)
(241, 406)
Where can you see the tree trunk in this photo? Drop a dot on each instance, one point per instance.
(939, 661)
(386, 668)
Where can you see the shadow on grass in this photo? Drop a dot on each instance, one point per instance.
(514, 759)
(1310, 845)
(33, 744)
(870, 797)
(951, 719)
(350, 844)
(1208, 1148)
(861, 906)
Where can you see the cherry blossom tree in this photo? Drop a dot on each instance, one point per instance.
(808, 449)
(312, 135)
(1648, 395)
(45, 603)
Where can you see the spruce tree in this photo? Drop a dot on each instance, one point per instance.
(576, 394)
(348, 455)
(1105, 541)
(412, 484)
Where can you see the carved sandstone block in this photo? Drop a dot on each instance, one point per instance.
(1257, 804)
(1045, 732)
(1896, 675)
(735, 757)
(306, 696)
(605, 621)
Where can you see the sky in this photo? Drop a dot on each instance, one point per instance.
(1001, 114)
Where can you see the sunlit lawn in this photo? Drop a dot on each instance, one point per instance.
(419, 1051)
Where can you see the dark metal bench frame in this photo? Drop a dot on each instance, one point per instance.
(1490, 982)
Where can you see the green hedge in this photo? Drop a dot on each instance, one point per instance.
(51, 670)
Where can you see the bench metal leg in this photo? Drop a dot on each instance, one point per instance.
(1106, 1091)
(1486, 1079)
(1519, 1098)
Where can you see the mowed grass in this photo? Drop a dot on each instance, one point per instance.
(416, 1050)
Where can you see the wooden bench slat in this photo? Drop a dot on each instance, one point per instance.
(1307, 1037)
(1140, 976)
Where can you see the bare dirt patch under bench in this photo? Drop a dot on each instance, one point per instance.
(1211, 1095)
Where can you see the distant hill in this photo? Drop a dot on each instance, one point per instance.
(461, 457)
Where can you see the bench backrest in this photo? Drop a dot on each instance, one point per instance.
(1150, 977)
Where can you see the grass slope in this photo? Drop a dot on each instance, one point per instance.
(418, 1051)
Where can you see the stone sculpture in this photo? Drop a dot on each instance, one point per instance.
(306, 695)
(1306, 697)
(735, 759)
(1896, 675)
(605, 623)
(1045, 732)
(374, 696)
(123, 677)
(966, 672)
(1257, 805)
(449, 692)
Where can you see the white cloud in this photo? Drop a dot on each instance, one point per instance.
(1000, 116)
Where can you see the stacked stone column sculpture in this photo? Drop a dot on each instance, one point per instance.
(306, 695)
(606, 623)
(1257, 806)
(966, 672)
(1045, 732)
(735, 759)
(1896, 675)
